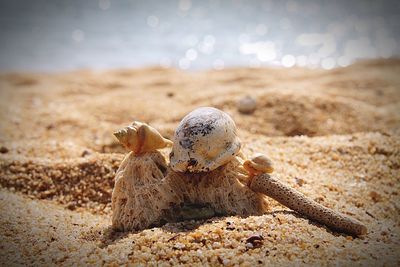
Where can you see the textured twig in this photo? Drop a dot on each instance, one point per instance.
(296, 201)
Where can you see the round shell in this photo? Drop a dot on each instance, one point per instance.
(204, 140)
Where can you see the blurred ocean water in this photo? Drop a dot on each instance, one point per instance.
(54, 35)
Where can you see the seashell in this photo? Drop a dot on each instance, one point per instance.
(140, 138)
(205, 139)
(247, 105)
(258, 164)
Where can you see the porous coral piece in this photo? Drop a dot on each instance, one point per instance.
(140, 193)
(221, 189)
(296, 201)
(147, 192)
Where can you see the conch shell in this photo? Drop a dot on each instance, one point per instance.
(140, 137)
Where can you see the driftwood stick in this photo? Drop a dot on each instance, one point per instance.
(298, 202)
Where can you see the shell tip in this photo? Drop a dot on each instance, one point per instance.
(120, 134)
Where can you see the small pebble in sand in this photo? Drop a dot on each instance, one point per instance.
(3, 149)
(300, 181)
(85, 153)
(254, 241)
(247, 105)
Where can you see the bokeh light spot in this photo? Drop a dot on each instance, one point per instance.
(78, 35)
(328, 63)
(184, 63)
(301, 61)
(104, 4)
(191, 54)
(288, 61)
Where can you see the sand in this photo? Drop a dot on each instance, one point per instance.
(333, 135)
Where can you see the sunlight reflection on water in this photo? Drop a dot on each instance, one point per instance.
(51, 35)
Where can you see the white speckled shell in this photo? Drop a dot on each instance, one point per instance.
(204, 140)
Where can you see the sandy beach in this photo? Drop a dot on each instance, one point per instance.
(332, 135)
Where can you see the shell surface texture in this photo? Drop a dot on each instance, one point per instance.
(205, 139)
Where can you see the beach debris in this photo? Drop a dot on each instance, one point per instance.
(206, 175)
(148, 192)
(205, 139)
(291, 198)
(140, 137)
(247, 105)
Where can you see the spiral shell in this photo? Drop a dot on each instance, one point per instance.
(140, 138)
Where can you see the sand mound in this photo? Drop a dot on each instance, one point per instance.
(58, 160)
(74, 183)
(292, 113)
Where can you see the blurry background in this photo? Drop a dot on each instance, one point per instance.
(49, 35)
